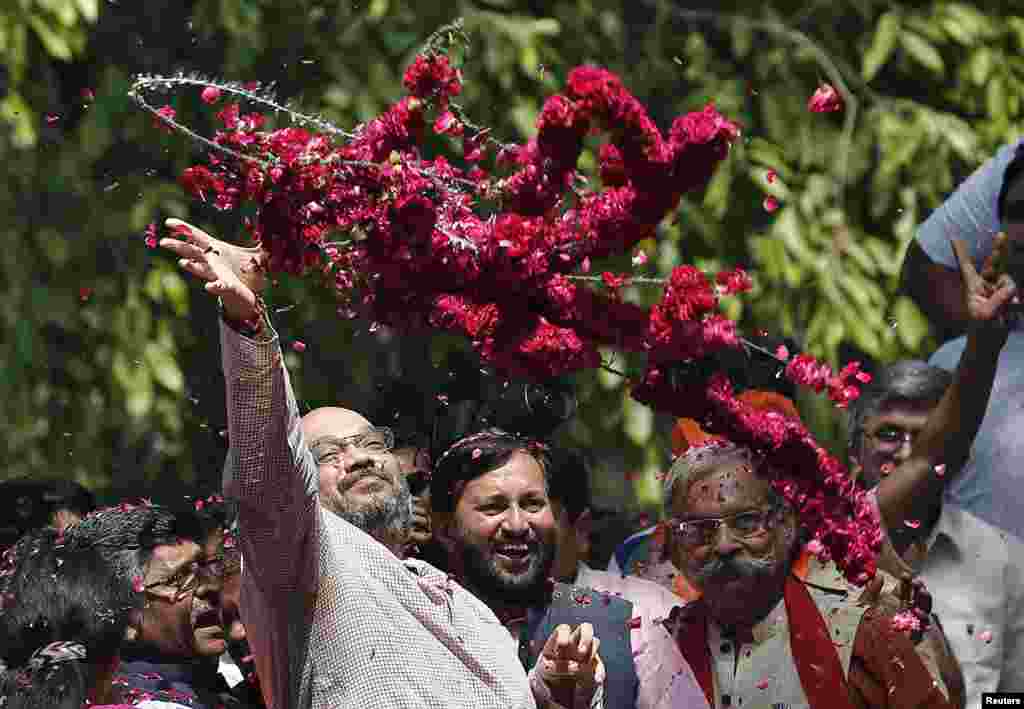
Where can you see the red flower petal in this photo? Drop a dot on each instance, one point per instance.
(770, 176)
(299, 346)
(782, 352)
(940, 469)
(138, 585)
(84, 293)
(770, 204)
(211, 94)
(913, 523)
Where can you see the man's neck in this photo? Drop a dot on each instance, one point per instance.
(902, 539)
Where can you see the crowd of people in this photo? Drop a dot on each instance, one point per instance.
(350, 566)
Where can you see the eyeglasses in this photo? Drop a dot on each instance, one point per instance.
(893, 437)
(742, 525)
(376, 440)
(187, 579)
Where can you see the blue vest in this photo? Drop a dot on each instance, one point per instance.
(610, 616)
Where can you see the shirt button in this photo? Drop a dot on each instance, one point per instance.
(726, 700)
(726, 647)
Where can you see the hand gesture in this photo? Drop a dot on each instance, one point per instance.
(911, 596)
(234, 273)
(986, 297)
(570, 664)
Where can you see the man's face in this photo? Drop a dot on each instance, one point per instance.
(740, 565)
(415, 466)
(887, 439)
(360, 480)
(504, 531)
(181, 616)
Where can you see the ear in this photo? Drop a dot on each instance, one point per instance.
(583, 527)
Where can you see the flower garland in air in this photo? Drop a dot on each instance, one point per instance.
(491, 248)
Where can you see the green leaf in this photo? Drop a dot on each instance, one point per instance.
(164, 367)
(923, 52)
(911, 326)
(90, 9)
(995, 96)
(979, 66)
(882, 44)
(56, 45)
(638, 420)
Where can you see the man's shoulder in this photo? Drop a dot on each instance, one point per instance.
(982, 541)
(652, 596)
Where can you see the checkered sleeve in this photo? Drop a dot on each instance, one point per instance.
(269, 469)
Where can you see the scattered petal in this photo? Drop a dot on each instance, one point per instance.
(644, 519)
(986, 636)
(84, 293)
(863, 377)
(211, 94)
(87, 95)
(299, 346)
(640, 259)
(906, 621)
(825, 100)
(634, 623)
(782, 352)
(138, 585)
(815, 547)
(770, 176)
(151, 235)
(886, 469)
(940, 469)
(477, 453)
(762, 683)
(770, 204)
(52, 118)
(913, 523)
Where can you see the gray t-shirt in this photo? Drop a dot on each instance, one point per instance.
(992, 483)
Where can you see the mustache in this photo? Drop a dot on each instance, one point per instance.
(366, 470)
(729, 568)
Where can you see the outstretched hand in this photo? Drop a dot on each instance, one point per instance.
(234, 273)
(989, 296)
(570, 661)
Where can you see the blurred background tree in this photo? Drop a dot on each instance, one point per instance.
(111, 361)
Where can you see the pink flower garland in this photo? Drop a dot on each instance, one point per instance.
(425, 257)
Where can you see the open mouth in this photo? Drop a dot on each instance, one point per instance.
(514, 554)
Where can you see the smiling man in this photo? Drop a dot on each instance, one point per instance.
(334, 616)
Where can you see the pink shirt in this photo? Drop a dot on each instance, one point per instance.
(666, 680)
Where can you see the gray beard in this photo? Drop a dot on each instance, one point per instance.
(387, 519)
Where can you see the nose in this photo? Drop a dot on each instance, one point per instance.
(723, 541)
(514, 522)
(356, 458)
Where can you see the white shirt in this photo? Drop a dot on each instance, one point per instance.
(974, 573)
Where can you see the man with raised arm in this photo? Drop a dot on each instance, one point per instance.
(333, 615)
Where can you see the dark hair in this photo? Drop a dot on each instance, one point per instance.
(1014, 170)
(27, 504)
(569, 482)
(908, 381)
(478, 455)
(126, 535)
(53, 593)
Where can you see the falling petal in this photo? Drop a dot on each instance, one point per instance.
(986, 636)
(88, 95)
(825, 100)
(782, 352)
(477, 453)
(52, 118)
(762, 683)
(640, 259)
(442, 399)
(151, 237)
(770, 204)
(84, 293)
(299, 346)
(211, 94)
(770, 176)
(886, 469)
(138, 585)
(913, 523)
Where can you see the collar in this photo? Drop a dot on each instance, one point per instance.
(762, 631)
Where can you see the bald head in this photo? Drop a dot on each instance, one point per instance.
(360, 481)
(332, 421)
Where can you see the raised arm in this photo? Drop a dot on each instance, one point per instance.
(269, 469)
(949, 432)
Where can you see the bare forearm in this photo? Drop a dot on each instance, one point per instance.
(909, 493)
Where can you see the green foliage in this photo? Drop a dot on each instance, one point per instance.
(119, 387)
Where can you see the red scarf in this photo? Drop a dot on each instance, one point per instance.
(824, 685)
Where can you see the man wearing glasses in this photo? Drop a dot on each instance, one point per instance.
(334, 616)
(758, 635)
(173, 558)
